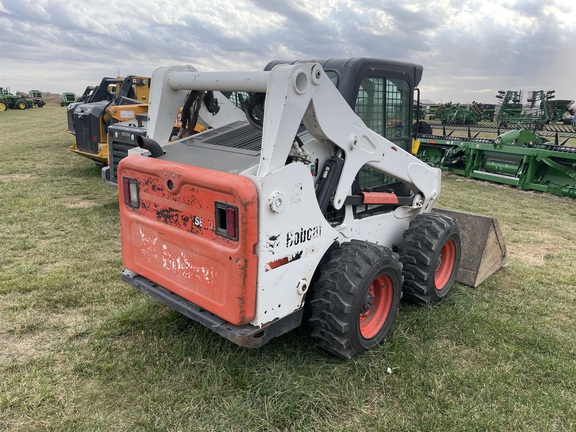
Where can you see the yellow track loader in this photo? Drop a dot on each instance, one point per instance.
(114, 100)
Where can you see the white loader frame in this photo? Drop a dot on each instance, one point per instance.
(294, 235)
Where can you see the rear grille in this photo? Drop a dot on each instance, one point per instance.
(83, 136)
(238, 135)
(118, 147)
(117, 152)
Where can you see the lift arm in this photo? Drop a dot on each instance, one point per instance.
(296, 93)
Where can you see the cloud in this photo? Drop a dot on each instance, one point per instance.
(468, 48)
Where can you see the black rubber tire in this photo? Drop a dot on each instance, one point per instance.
(424, 128)
(3, 106)
(356, 298)
(428, 275)
(21, 104)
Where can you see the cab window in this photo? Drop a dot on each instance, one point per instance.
(384, 105)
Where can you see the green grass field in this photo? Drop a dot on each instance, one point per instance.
(82, 351)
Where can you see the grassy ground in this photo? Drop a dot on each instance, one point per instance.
(80, 350)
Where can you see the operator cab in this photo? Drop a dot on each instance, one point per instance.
(379, 91)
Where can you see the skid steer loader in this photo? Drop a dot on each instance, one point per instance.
(114, 100)
(303, 205)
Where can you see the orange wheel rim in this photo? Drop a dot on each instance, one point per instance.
(376, 308)
(445, 264)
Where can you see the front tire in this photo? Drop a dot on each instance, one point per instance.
(21, 105)
(430, 252)
(356, 298)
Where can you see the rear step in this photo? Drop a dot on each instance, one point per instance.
(245, 335)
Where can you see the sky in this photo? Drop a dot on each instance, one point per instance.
(469, 49)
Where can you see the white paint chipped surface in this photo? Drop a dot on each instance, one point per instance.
(180, 264)
(174, 262)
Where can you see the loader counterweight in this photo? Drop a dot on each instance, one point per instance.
(180, 233)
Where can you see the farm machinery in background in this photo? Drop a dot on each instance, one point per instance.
(37, 97)
(450, 113)
(562, 110)
(512, 114)
(520, 158)
(114, 100)
(108, 118)
(9, 100)
(67, 99)
(542, 113)
(70, 107)
(86, 94)
(525, 150)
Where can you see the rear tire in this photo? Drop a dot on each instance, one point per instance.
(356, 298)
(3, 106)
(430, 252)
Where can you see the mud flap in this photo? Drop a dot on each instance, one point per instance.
(483, 247)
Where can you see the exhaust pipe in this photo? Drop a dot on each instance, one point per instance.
(152, 146)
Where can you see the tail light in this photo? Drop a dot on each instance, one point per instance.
(227, 221)
(130, 191)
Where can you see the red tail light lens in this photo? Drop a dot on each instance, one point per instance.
(231, 222)
(227, 221)
(131, 192)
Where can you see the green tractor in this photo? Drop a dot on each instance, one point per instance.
(37, 97)
(8, 100)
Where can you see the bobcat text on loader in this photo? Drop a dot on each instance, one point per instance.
(300, 204)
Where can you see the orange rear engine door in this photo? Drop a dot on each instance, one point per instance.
(193, 231)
